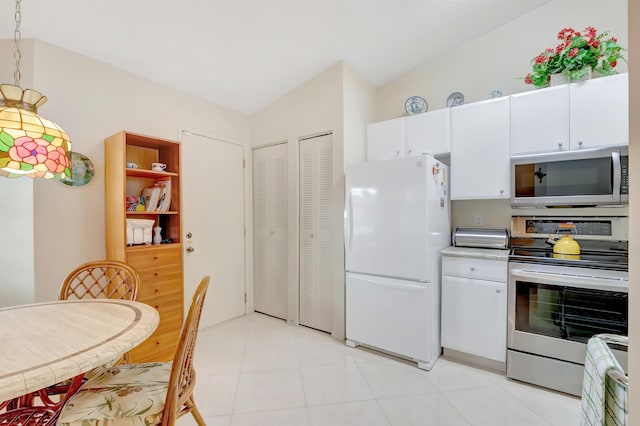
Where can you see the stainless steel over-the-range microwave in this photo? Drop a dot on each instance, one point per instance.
(586, 177)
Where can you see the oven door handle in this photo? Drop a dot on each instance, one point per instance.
(576, 281)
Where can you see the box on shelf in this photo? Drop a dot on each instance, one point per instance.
(139, 231)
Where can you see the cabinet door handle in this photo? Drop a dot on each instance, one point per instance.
(498, 290)
(559, 144)
(409, 152)
(472, 269)
(398, 153)
(501, 191)
(190, 249)
(580, 143)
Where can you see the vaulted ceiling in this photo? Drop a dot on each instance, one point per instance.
(244, 54)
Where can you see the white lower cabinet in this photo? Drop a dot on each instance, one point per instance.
(474, 309)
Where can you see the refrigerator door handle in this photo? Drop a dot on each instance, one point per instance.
(348, 221)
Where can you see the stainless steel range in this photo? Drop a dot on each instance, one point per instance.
(557, 301)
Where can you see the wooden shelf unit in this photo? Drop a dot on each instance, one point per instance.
(160, 265)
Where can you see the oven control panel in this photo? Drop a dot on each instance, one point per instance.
(554, 226)
(597, 228)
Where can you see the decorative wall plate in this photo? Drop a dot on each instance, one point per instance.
(415, 105)
(82, 170)
(455, 99)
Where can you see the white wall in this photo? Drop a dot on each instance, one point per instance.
(634, 212)
(17, 276)
(501, 57)
(340, 100)
(17, 260)
(359, 109)
(91, 101)
(312, 108)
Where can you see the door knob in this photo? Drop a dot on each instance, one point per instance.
(190, 249)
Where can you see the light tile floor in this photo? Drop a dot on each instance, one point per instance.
(257, 370)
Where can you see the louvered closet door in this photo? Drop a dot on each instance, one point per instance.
(270, 230)
(315, 230)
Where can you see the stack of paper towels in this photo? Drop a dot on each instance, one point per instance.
(139, 231)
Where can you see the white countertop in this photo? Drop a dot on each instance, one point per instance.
(476, 253)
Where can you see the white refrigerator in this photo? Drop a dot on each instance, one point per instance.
(396, 221)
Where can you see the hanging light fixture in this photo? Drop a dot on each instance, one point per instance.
(30, 145)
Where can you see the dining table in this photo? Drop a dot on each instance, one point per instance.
(44, 344)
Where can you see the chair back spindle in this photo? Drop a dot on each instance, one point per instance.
(183, 376)
(103, 279)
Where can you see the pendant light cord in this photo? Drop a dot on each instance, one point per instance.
(17, 55)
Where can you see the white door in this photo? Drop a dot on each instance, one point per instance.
(480, 152)
(428, 133)
(385, 140)
(540, 120)
(270, 223)
(390, 314)
(474, 317)
(213, 206)
(600, 112)
(315, 233)
(386, 223)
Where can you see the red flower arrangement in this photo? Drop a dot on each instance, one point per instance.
(576, 53)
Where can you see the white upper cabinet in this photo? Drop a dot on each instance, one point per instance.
(428, 133)
(480, 155)
(600, 112)
(586, 114)
(540, 120)
(385, 140)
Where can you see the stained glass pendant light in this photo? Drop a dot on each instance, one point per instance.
(30, 145)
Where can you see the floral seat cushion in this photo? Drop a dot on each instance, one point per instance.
(129, 394)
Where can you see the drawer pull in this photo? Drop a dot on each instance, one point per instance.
(498, 290)
(156, 291)
(473, 269)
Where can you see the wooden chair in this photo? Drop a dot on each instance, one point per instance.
(149, 393)
(108, 279)
(28, 416)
